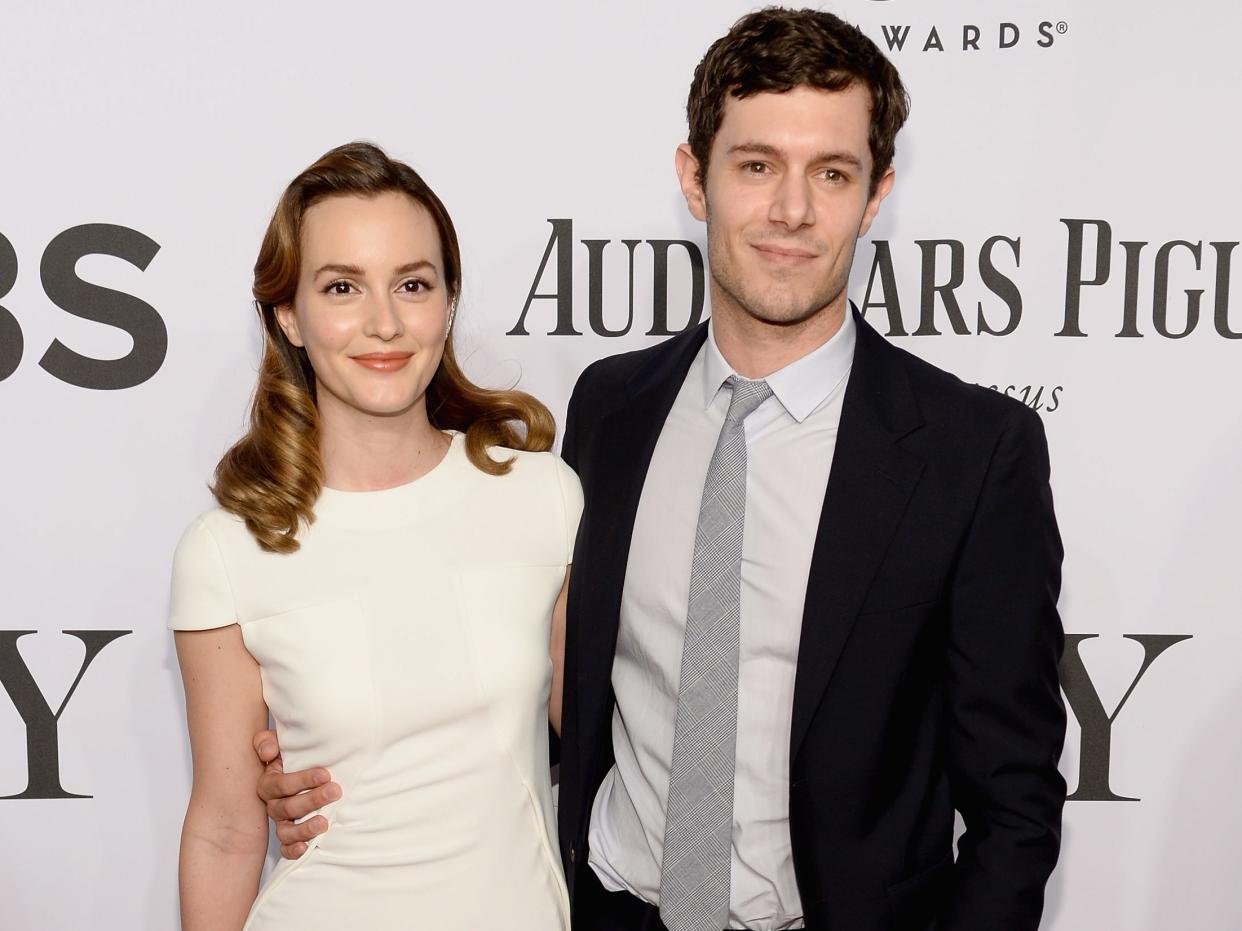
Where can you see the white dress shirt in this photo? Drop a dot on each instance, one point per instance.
(790, 440)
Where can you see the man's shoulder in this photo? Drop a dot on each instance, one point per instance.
(948, 401)
(611, 375)
(614, 371)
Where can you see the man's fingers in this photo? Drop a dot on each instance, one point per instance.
(266, 746)
(282, 807)
(291, 834)
(274, 784)
(291, 796)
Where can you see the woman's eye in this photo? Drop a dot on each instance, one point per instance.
(339, 287)
(414, 286)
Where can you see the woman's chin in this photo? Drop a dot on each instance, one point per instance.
(383, 407)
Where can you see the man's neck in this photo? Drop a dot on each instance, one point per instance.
(755, 349)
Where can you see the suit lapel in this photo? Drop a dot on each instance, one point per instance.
(869, 486)
(621, 456)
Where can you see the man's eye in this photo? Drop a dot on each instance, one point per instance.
(754, 168)
(831, 174)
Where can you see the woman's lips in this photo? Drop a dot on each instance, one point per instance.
(383, 361)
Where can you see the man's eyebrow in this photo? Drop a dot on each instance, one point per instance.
(762, 148)
(405, 269)
(844, 158)
(755, 148)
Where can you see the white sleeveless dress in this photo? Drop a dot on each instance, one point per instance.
(405, 647)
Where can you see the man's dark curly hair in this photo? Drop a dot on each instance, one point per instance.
(777, 49)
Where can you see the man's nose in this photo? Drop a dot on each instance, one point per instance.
(792, 206)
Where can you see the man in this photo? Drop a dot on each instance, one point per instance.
(813, 604)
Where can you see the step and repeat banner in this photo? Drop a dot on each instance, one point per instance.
(1064, 229)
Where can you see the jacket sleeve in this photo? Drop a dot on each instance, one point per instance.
(571, 438)
(569, 455)
(1008, 720)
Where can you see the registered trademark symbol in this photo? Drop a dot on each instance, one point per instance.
(1062, 27)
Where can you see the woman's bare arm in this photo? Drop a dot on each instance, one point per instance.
(224, 837)
(557, 651)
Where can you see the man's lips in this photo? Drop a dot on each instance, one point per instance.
(383, 361)
(785, 255)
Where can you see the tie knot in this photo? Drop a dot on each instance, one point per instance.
(747, 395)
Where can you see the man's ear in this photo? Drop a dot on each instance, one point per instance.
(688, 175)
(873, 205)
(288, 322)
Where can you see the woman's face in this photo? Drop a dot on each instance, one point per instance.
(372, 306)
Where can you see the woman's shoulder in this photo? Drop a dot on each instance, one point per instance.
(214, 533)
(217, 522)
(539, 468)
(542, 480)
(202, 591)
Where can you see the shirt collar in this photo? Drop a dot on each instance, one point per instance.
(803, 384)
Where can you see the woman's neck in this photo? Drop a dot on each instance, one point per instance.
(369, 452)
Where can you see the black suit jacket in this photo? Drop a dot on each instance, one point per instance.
(927, 666)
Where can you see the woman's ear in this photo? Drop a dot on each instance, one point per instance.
(288, 321)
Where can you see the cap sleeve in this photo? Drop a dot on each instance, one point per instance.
(201, 595)
(571, 504)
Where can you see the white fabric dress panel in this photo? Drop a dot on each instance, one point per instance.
(405, 647)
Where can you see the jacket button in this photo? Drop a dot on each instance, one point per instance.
(573, 854)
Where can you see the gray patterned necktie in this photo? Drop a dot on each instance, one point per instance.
(698, 830)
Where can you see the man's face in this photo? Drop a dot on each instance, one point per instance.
(787, 194)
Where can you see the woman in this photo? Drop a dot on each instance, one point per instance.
(381, 576)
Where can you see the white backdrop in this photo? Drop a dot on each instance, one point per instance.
(185, 126)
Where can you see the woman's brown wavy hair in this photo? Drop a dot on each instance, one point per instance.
(273, 475)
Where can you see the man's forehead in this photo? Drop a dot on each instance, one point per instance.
(801, 117)
(850, 104)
